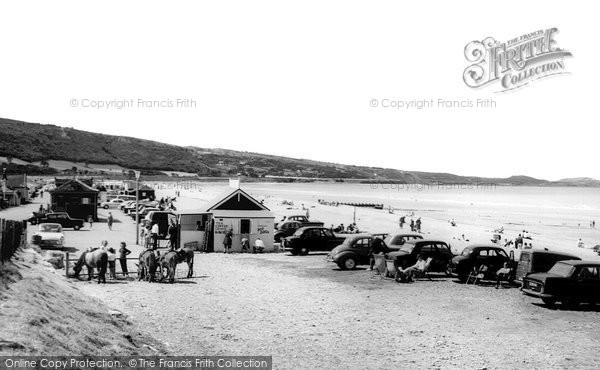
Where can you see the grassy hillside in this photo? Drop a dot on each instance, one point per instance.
(42, 149)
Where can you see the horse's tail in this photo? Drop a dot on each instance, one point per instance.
(102, 263)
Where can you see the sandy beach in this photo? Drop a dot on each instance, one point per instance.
(308, 314)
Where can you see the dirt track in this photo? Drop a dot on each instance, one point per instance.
(307, 314)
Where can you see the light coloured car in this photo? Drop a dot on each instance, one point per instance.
(113, 203)
(49, 235)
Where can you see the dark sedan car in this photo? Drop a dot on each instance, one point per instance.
(438, 250)
(477, 255)
(354, 251)
(61, 218)
(569, 282)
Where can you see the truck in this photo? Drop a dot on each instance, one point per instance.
(312, 238)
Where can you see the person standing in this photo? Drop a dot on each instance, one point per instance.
(112, 257)
(123, 253)
(227, 241)
(245, 245)
(377, 246)
(173, 231)
(110, 220)
(412, 225)
(418, 224)
(154, 235)
(91, 221)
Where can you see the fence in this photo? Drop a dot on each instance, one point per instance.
(13, 236)
(132, 267)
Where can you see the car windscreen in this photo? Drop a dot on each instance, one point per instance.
(298, 232)
(51, 228)
(561, 269)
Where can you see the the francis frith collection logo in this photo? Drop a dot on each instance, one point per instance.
(516, 62)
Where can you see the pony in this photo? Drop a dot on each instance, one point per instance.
(93, 259)
(170, 260)
(147, 265)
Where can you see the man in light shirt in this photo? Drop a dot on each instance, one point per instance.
(154, 234)
(259, 246)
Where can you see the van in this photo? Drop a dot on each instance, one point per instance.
(539, 261)
(163, 218)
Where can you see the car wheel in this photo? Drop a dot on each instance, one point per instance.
(549, 301)
(33, 222)
(303, 251)
(105, 207)
(348, 263)
(76, 227)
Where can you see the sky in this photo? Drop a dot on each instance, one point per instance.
(301, 79)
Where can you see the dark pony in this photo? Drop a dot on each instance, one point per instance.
(147, 266)
(170, 260)
(95, 259)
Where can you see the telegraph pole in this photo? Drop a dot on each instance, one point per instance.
(137, 207)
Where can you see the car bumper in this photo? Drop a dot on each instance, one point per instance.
(534, 293)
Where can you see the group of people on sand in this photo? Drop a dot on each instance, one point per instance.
(258, 247)
(407, 274)
(350, 229)
(112, 258)
(415, 226)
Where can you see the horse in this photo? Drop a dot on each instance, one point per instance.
(147, 265)
(94, 259)
(170, 260)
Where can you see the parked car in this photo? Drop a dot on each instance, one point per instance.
(312, 238)
(533, 260)
(288, 228)
(61, 218)
(114, 203)
(438, 250)
(354, 251)
(476, 255)
(126, 203)
(569, 282)
(299, 218)
(49, 235)
(398, 240)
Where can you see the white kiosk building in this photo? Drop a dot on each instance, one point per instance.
(236, 211)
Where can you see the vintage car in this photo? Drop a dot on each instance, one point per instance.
(49, 235)
(473, 256)
(354, 251)
(398, 240)
(113, 203)
(312, 238)
(288, 228)
(569, 282)
(438, 250)
(61, 218)
(537, 260)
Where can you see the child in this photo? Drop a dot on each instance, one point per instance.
(123, 253)
(112, 257)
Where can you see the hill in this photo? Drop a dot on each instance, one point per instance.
(43, 149)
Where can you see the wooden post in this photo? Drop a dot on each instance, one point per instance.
(67, 264)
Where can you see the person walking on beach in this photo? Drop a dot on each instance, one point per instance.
(402, 221)
(110, 220)
(418, 224)
(123, 253)
(412, 225)
(227, 241)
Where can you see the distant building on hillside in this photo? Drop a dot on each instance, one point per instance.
(76, 198)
